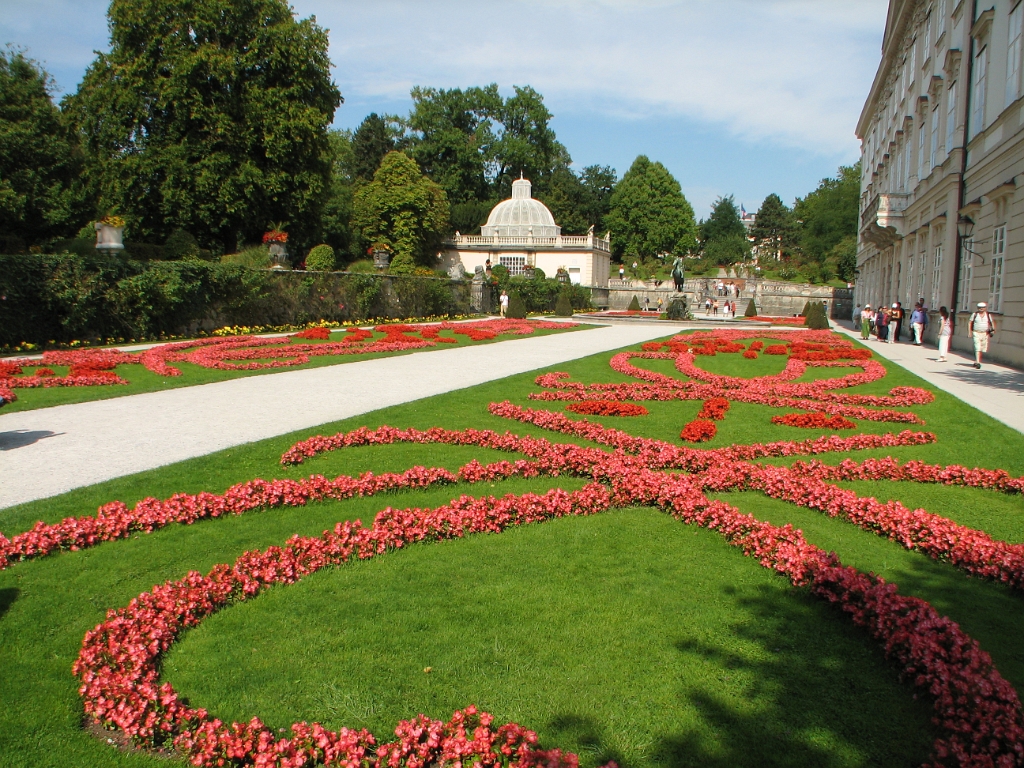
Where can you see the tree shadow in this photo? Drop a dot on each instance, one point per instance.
(587, 737)
(824, 698)
(8, 595)
(1009, 381)
(19, 438)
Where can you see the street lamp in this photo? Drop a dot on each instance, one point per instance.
(965, 228)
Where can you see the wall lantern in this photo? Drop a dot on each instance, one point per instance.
(965, 228)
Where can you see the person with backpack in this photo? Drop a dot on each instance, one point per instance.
(982, 327)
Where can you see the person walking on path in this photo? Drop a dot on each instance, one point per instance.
(503, 303)
(622, 272)
(865, 322)
(896, 323)
(882, 324)
(945, 333)
(660, 304)
(982, 327)
(918, 321)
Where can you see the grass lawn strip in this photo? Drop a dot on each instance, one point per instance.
(663, 421)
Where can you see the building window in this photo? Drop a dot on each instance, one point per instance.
(936, 274)
(921, 171)
(935, 137)
(927, 51)
(1013, 55)
(950, 116)
(514, 264)
(966, 275)
(922, 270)
(995, 285)
(980, 84)
(910, 279)
(913, 61)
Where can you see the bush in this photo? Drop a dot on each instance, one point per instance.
(321, 259)
(806, 309)
(563, 307)
(815, 318)
(516, 307)
(180, 245)
(256, 257)
(11, 244)
(634, 305)
(677, 310)
(144, 251)
(751, 310)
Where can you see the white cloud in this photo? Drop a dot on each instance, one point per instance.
(793, 72)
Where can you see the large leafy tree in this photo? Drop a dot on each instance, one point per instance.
(773, 229)
(724, 221)
(39, 158)
(209, 116)
(828, 214)
(404, 210)
(649, 215)
(579, 202)
(525, 144)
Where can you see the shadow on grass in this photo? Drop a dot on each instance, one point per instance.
(7, 597)
(585, 732)
(783, 718)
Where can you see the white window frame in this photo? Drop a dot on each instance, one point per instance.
(936, 274)
(979, 87)
(995, 285)
(913, 61)
(922, 272)
(935, 138)
(921, 157)
(1013, 54)
(966, 274)
(950, 116)
(910, 279)
(926, 53)
(515, 265)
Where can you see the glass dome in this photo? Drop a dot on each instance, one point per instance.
(522, 216)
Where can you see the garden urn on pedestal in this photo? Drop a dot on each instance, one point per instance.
(381, 258)
(109, 237)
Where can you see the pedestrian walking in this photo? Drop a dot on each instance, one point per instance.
(865, 322)
(982, 327)
(945, 333)
(882, 324)
(622, 271)
(714, 307)
(918, 321)
(899, 317)
(503, 303)
(894, 323)
(660, 304)
(707, 306)
(647, 303)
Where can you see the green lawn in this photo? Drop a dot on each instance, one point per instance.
(141, 380)
(623, 636)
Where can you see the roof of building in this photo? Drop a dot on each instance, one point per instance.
(521, 216)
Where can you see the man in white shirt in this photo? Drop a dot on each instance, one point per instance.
(503, 302)
(982, 325)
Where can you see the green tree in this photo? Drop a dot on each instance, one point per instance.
(649, 215)
(209, 116)
(451, 138)
(724, 222)
(336, 216)
(524, 143)
(828, 214)
(39, 158)
(773, 229)
(372, 140)
(843, 258)
(402, 209)
(579, 202)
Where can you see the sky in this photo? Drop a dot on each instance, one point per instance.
(741, 97)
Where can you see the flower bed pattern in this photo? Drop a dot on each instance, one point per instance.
(90, 368)
(606, 408)
(978, 712)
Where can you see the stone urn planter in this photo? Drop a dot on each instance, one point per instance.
(109, 238)
(278, 254)
(381, 258)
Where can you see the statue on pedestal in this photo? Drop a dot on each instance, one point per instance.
(678, 274)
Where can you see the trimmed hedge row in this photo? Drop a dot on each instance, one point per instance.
(66, 297)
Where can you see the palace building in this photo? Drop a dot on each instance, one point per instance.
(942, 149)
(521, 234)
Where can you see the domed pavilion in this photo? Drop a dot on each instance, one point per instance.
(521, 234)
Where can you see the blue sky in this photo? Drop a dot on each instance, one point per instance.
(743, 97)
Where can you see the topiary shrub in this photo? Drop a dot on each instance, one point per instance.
(816, 319)
(634, 305)
(751, 310)
(563, 307)
(806, 309)
(677, 310)
(516, 307)
(321, 259)
(180, 245)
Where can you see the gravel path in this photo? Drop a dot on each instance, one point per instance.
(48, 451)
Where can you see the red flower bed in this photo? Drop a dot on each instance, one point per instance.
(699, 431)
(776, 349)
(714, 409)
(978, 711)
(777, 320)
(756, 346)
(750, 354)
(813, 421)
(313, 334)
(607, 408)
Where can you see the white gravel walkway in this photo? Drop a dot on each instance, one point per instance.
(48, 451)
(995, 389)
